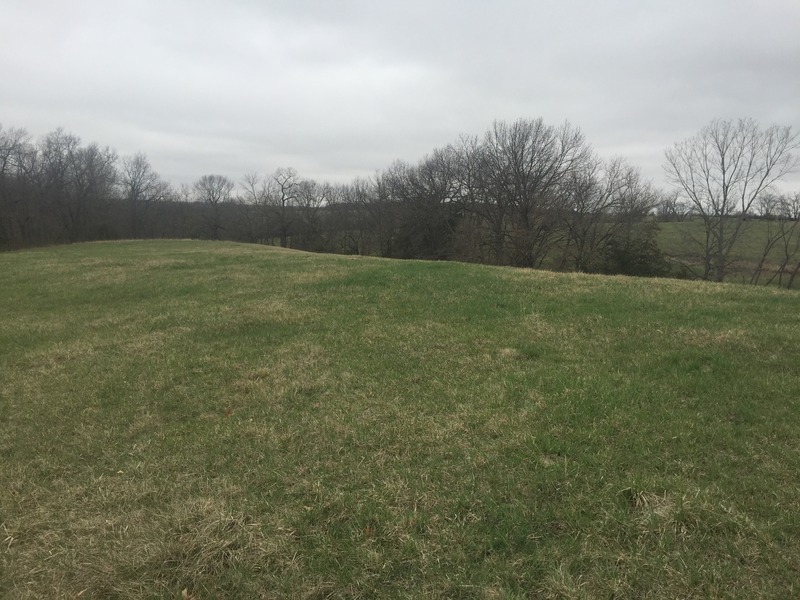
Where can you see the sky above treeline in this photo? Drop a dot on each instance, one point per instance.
(340, 89)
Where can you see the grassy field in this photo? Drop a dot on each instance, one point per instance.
(207, 420)
(675, 239)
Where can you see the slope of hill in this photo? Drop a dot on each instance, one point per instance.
(232, 421)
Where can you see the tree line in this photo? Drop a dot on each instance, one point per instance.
(525, 194)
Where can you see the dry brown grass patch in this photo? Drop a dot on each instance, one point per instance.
(727, 338)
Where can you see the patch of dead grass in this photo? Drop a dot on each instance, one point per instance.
(193, 544)
(290, 369)
(700, 337)
(645, 504)
(58, 358)
(272, 310)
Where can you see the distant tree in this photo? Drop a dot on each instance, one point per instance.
(480, 233)
(254, 188)
(633, 250)
(722, 172)
(310, 199)
(780, 215)
(213, 191)
(423, 207)
(94, 176)
(671, 207)
(16, 212)
(140, 187)
(282, 195)
(600, 203)
(513, 181)
(178, 216)
(790, 245)
(438, 205)
(254, 209)
(53, 179)
(75, 186)
(356, 226)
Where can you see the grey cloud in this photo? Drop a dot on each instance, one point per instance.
(338, 89)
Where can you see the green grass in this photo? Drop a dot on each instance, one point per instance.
(244, 422)
(675, 239)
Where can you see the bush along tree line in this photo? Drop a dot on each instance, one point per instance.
(524, 194)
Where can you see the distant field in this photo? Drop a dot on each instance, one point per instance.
(213, 420)
(674, 240)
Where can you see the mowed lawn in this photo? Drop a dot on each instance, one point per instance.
(211, 420)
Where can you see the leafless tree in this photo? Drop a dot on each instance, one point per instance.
(513, 183)
(282, 195)
(16, 215)
(671, 207)
(781, 217)
(213, 191)
(12, 143)
(722, 172)
(76, 184)
(600, 201)
(254, 208)
(140, 187)
(418, 202)
(254, 188)
(361, 217)
(311, 198)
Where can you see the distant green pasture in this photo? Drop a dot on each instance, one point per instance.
(675, 240)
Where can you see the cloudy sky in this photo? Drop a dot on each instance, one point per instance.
(338, 89)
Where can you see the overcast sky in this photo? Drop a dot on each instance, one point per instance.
(342, 89)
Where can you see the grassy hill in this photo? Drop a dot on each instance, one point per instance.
(229, 421)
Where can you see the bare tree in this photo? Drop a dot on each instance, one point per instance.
(601, 201)
(12, 142)
(254, 188)
(15, 213)
(480, 234)
(423, 199)
(141, 187)
(514, 175)
(311, 197)
(52, 178)
(671, 207)
(347, 219)
(75, 184)
(254, 208)
(213, 191)
(282, 195)
(362, 217)
(781, 215)
(94, 178)
(722, 172)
